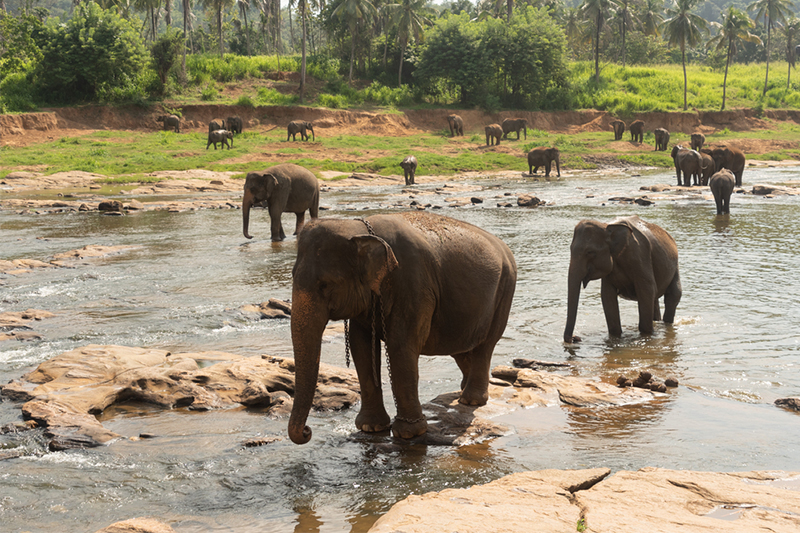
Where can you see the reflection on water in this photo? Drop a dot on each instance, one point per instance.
(733, 348)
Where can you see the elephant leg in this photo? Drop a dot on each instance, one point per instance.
(656, 311)
(738, 176)
(547, 169)
(276, 228)
(608, 295)
(409, 421)
(463, 364)
(475, 387)
(647, 300)
(672, 297)
(301, 218)
(373, 416)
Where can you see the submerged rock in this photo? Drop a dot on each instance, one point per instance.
(138, 525)
(789, 403)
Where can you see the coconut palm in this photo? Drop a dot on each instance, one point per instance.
(684, 28)
(733, 32)
(355, 12)
(596, 12)
(622, 13)
(218, 6)
(651, 18)
(408, 16)
(773, 11)
(243, 6)
(304, 7)
(187, 14)
(791, 31)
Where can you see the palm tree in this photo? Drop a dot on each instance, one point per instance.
(684, 28)
(305, 6)
(243, 6)
(218, 6)
(354, 12)
(574, 26)
(651, 18)
(773, 11)
(791, 30)
(408, 16)
(623, 15)
(596, 11)
(733, 32)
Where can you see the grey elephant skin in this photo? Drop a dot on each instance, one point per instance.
(722, 184)
(302, 127)
(172, 122)
(731, 158)
(619, 129)
(698, 140)
(409, 166)
(222, 137)
(687, 162)
(494, 132)
(543, 157)
(216, 124)
(427, 284)
(514, 124)
(456, 125)
(662, 139)
(637, 131)
(285, 188)
(235, 124)
(707, 169)
(635, 260)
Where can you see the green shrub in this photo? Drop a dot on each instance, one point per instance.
(209, 93)
(334, 101)
(245, 101)
(273, 97)
(15, 93)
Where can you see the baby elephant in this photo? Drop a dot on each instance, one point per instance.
(494, 132)
(302, 127)
(409, 165)
(721, 184)
(170, 122)
(220, 136)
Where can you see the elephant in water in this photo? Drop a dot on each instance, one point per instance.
(619, 129)
(662, 138)
(170, 122)
(688, 162)
(234, 124)
(456, 125)
(286, 188)
(424, 284)
(515, 124)
(409, 166)
(633, 259)
(698, 140)
(493, 134)
(302, 127)
(543, 157)
(220, 136)
(722, 184)
(637, 131)
(707, 168)
(731, 158)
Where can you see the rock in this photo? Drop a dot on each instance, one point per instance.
(138, 525)
(763, 190)
(655, 188)
(110, 205)
(521, 362)
(135, 205)
(252, 443)
(789, 403)
(476, 200)
(651, 499)
(286, 307)
(643, 201)
(84, 207)
(527, 200)
(658, 387)
(621, 199)
(505, 204)
(89, 251)
(671, 382)
(273, 308)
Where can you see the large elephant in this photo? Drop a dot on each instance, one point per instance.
(731, 158)
(689, 163)
(543, 157)
(456, 125)
(662, 138)
(633, 259)
(302, 127)
(424, 284)
(619, 129)
(170, 122)
(286, 188)
(721, 184)
(515, 124)
(708, 167)
(220, 136)
(216, 124)
(637, 131)
(235, 124)
(409, 166)
(494, 132)
(698, 140)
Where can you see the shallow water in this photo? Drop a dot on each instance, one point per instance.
(734, 348)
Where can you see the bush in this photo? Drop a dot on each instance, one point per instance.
(209, 93)
(273, 97)
(15, 93)
(245, 101)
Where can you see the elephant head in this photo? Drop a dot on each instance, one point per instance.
(258, 187)
(310, 127)
(337, 271)
(595, 245)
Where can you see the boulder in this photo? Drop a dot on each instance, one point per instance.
(138, 525)
(110, 205)
(273, 308)
(789, 403)
(527, 200)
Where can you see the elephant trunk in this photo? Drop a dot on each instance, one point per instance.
(574, 279)
(558, 165)
(309, 319)
(247, 203)
(313, 138)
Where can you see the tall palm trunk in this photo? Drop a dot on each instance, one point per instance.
(185, 33)
(624, 27)
(597, 50)
(769, 37)
(303, 52)
(219, 30)
(352, 53)
(400, 72)
(291, 29)
(168, 12)
(246, 30)
(683, 60)
(725, 79)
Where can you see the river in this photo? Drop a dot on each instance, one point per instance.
(734, 347)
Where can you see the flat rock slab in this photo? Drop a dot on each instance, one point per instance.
(15, 325)
(138, 525)
(650, 499)
(63, 259)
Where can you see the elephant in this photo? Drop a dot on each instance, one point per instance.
(637, 131)
(170, 122)
(302, 127)
(422, 283)
(456, 125)
(689, 163)
(731, 158)
(285, 188)
(216, 124)
(543, 157)
(234, 124)
(619, 129)
(220, 136)
(409, 165)
(515, 124)
(722, 184)
(494, 132)
(633, 259)
(707, 169)
(698, 140)
(662, 138)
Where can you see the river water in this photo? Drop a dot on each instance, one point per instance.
(734, 347)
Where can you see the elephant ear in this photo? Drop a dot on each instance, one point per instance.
(377, 259)
(618, 234)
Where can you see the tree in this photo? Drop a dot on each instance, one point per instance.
(651, 18)
(408, 17)
(684, 28)
(772, 11)
(791, 31)
(218, 6)
(164, 53)
(734, 30)
(596, 12)
(243, 6)
(622, 13)
(187, 13)
(354, 12)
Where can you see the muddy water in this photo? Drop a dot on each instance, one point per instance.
(735, 348)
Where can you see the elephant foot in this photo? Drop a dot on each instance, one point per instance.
(473, 397)
(408, 430)
(370, 423)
